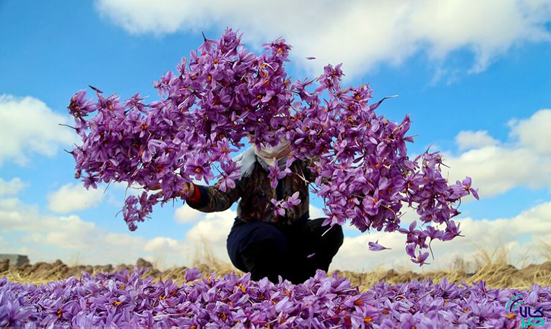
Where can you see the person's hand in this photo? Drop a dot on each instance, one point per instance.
(156, 188)
(187, 191)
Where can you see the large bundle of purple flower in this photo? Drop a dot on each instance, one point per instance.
(224, 93)
(126, 300)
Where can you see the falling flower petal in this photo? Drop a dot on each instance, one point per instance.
(375, 246)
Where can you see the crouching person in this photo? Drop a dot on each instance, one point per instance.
(261, 242)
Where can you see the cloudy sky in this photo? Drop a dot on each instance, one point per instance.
(474, 76)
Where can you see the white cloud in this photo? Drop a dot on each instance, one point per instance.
(186, 214)
(209, 235)
(316, 212)
(26, 230)
(359, 33)
(497, 168)
(28, 126)
(46, 238)
(474, 139)
(11, 187)
(167, 252)
(535, 132)
(520, 235)
(74, 197)
(162, 244)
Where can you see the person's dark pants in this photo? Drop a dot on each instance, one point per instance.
(294, 252)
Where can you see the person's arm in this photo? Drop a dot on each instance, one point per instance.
(196, 195)
(211, 199)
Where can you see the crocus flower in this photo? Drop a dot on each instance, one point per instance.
(231, 174)
(291, 201)
(467, 185)
(421, 258)
(375, 246)
(371, 204)
(199, 165)
(192, 274)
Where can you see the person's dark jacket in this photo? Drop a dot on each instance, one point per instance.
(255, 193)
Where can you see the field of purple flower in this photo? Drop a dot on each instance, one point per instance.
(190, 298)
(126, 299)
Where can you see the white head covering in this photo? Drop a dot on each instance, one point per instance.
(246, 161)
(272, 154)
(267, 156)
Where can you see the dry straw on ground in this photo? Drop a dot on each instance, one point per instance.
(493, 267)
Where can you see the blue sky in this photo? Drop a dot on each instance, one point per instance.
(458, 79)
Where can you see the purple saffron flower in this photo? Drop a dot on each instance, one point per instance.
(371, 204)
(375, 246)
(467, 185)
(293, 200)
(199, 165)
(192, 274)
(231, 174)
(421, 258)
